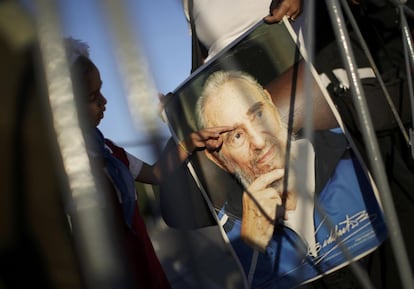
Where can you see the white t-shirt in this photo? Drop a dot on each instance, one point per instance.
(301, 219)
(219, 22)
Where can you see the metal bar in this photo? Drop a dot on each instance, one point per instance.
(371, 143)
(138, 83)
(409, 58)
(375, 68)
(101, 263)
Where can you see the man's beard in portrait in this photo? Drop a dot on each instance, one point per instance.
(248, 175)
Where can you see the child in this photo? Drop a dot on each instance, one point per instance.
(122, 169)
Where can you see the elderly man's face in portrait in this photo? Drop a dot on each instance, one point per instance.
(257, 144)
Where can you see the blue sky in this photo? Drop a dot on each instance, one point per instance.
(160, 29)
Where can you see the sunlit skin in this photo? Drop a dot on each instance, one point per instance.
(278, 9)
(255, 151)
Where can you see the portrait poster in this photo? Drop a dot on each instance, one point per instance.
(323, 208)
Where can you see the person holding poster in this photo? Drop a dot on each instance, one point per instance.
(215, 25)
(380, 25)
(298, 235)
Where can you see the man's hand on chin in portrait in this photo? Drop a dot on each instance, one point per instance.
(262, 203)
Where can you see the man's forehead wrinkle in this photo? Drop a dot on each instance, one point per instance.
(225, 95)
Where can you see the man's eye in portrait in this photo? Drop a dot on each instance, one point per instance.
(259, 114)
(257, 111)
(237, 138)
